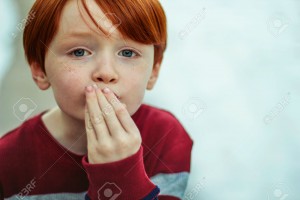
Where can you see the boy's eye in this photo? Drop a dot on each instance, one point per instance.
(79, 52)
(128, 53)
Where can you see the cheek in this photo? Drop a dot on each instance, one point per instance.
(134, 100)
(135, 84)
(68, 87)
(63, 73)
(134, 93)
(137, 76)
(68, 79)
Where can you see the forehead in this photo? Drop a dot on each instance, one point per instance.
(74, 19)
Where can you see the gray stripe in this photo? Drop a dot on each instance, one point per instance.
(171, 184)
(60, 196)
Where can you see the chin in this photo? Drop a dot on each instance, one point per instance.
(74, 114)
(132, 108)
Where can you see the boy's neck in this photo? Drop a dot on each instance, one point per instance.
(67, 131)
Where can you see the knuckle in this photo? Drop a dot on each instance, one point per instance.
(121, 110)
(133, 140)
(107, 109)
(96, 119)
(137, 139)
(89, 125)
(114, 101)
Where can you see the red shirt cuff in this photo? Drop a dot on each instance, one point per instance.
(125, 179)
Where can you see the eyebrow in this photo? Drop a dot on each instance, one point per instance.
(84, 34)
(78, 34)
(90, 34)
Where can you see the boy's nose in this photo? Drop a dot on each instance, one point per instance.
(106, 79)
(105, 74)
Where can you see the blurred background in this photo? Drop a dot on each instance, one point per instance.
(230, 75)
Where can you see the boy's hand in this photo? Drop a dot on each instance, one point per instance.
(111, 133)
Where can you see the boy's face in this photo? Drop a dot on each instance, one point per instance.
(80, 54)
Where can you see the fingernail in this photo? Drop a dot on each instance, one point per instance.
(89, 88)
(95, 86)
(106, 90)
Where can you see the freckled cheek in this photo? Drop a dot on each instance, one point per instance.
(70, 87)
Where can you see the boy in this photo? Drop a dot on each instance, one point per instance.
(100, 142)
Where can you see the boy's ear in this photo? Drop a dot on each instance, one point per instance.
(154, 76)
(39, 76)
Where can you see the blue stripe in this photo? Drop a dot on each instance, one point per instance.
(153, 194)
(87, 197)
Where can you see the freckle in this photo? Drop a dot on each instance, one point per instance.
(69, 69)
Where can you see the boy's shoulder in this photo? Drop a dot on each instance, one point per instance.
(158, 123)
(16, 139)
(28, 124)
(155, 116)
(165, 141)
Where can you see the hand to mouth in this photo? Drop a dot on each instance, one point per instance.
(109, 125)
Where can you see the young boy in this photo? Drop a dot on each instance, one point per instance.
(100, 142)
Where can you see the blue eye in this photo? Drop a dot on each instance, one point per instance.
(128, 53)
(79, 52)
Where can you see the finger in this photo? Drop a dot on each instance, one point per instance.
(91, 136)
(120, 110)
(95, 114)
(110, 117)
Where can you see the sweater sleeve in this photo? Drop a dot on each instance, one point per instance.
(125, 179)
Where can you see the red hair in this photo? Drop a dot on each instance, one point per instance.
(143, 21)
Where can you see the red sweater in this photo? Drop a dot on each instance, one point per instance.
(34, 164)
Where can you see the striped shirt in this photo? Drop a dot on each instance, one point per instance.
(33, 165)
